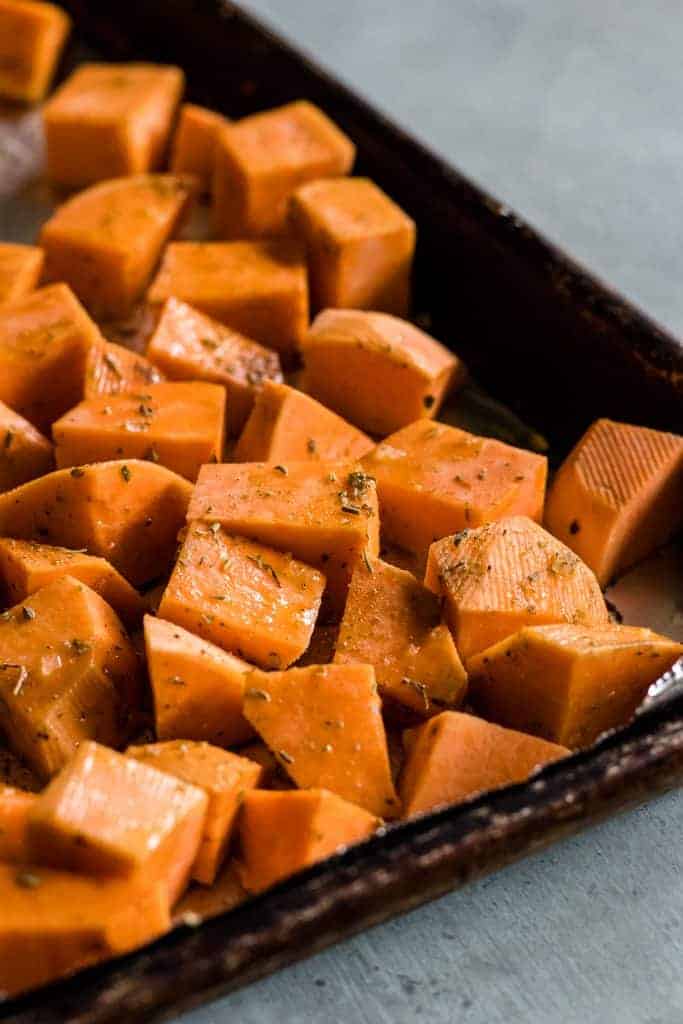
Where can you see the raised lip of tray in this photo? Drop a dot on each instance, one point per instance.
(421, 859)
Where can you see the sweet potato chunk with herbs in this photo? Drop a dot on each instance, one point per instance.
(44, 343)
(261, 159)
(194, 143)
(68, 673)
(258, 603)
(285, 424)
(324, 513)
(32, 35)
(434, 480)
(394, 623)
(225, 778)
(324, 725)
(110, 120)
(114, 370)
(618, 495)
(188, 345)
(106, 241)
(202, 902)
(26, 566)
(377, 371)
(15, 807)
(20, 267)
(454, 757)
(569, 683)
(359, 244)
(24, 452)
(127, 512)
(257, 288)
(508, 575)
(282, 833)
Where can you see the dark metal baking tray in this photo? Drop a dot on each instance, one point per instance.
(539, 333)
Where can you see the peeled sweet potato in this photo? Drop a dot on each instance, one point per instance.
(24, 452)
(114, 370)
(20, 265)
(32, 35)
(194, 143)
(15, 806)
(202, 902)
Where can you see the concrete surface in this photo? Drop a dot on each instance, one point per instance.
(572, 112)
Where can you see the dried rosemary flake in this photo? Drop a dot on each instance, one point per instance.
(311, 446)
(28, 613)
(126, 473)
(265, 567)
(368, 563)
(257, 694)
(23, 676)
(27, 880)
(110, 362)
(281, 469)
(9, 437)
(215, 527)
(79, 646)
(77, 471)
(287, 758)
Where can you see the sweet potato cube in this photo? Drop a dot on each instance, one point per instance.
(32, 35)
(68, 673)
(245, 597)
(46, 336)
(114, 370)
(110, 120)
(194, 143)
(359, 245)
(377, 371)
(287, 425)
(569, 683)
(507, 575)
(394, 623)
(324, 513)
(188, 345)
(282, 833)
(24, 452)
(20, 268)
(260, 160)
(618, 495)
(324, 725)
(224, 777)
(127, 512)
(434, 480)
(257, 288)
(106, 241)
(15, 807)
(202, 902)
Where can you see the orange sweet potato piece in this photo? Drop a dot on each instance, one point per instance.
(20, 267)
(26, 566)
(569, 683)
(15, 806)
(507, 575)
(194, 143)
(68, 673)
(114, 370)
(324, 725)
(188, 345)
(376, 370)
(127, 512)
(225, 778)
(434, 480)
(110, 120)
(261, 159)
(282, 833)
(46, 336)
(618, 495)
(359, 244)
(454, 757)
(287, 425)
(324, 513)
(394, 623)
(24, 452)
(258, 288)
(273, 776)
(202, 902)
(32, 35)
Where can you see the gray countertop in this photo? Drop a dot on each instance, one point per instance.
(572, 112)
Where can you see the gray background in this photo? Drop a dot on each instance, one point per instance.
(572, 112)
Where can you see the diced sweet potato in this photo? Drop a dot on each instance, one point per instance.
(285, 424)
(282, 833)
(257, 288)
(127, 512)
(324, 513)
(394, 623)
(225, 778)
(202, 902)
(68, 673)
(260, 160)
(26, 566)
(32, 35)
(20, 265)
(359, 245)
(15, 806)
(454, 757)
(46, 336)
(377, 371)
(194, 143)
(106, 241)
(618, 495)
(114, 370)
(273, 775)
(24, 452)
(324, 725)
(245, 597)
(434, 480)
(179, 425)
(508, 575)
(110, 120)
(569, 683)
(188, 345)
